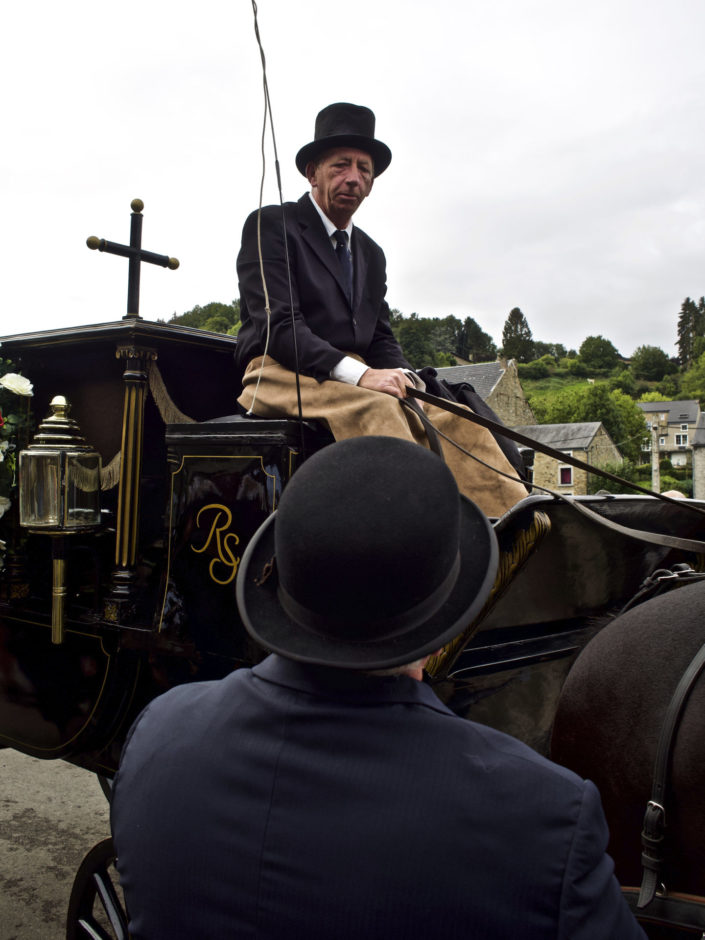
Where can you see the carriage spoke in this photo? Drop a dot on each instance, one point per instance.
(92, 930)
(111, 903)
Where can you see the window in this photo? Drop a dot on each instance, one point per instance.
(684, 427)
(681, 440)
(565, 476)
(662, 442)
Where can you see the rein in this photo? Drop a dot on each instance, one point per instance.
(670, 541)
(519, 438)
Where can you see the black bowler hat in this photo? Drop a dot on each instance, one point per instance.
(345, 125)
(373, 559)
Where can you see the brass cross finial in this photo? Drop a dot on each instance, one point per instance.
(136, 255)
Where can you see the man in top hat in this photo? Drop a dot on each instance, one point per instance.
(312, 298)
(327, 792)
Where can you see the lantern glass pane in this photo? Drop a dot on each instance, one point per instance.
(40, 501)
(82, 491)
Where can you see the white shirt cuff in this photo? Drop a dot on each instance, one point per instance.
(348, 370)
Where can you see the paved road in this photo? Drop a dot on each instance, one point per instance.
(51, 814)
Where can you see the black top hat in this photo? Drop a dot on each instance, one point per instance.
(377, 559)
(345, 125)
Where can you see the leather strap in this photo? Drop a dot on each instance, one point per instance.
(654, 538)
(513, 435)
(654, 825)
(434, 440)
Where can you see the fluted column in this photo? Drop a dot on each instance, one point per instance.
(120, 602)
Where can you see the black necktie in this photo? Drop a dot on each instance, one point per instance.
(345, 261)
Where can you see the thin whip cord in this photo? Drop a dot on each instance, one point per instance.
(267, 308)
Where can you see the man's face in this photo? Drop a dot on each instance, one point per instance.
(340, 180)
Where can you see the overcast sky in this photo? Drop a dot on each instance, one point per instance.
(547, 154)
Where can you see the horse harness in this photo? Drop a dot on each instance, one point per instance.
(652, 901)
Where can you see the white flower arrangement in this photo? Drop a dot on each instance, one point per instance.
(15, 421)
(17, 384)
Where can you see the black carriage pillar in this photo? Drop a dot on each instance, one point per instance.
(120, 602)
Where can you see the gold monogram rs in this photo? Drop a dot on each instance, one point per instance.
(225, 542)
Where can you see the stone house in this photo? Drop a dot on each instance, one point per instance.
(497, 384)
(587, 441)
(677, 423)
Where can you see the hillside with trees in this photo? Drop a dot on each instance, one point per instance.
(215, 317)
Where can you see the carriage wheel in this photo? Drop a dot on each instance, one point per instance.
(96, 911)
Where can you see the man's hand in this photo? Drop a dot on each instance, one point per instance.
(391, 381)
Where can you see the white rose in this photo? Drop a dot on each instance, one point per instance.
(17, 384)
(3, 447)
(4, 505)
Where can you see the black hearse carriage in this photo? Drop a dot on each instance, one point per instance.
(95, 623)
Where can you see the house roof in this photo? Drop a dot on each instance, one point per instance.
(483, 376)
(562, 436)
(679, 412)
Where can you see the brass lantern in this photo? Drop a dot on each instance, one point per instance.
(59, 492)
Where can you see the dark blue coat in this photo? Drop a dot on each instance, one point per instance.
(327, 326)
(290, 802)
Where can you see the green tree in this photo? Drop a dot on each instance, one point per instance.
(538, 369)
(573, 365)
(444, 334)
(624, 381)
(557, 350)
(651, 363)
(619, 414)
(474, 344)
(692, 384)
(217, 324)
(598, 354)
(517, 341)
(653, 396)
(627, 470)
(396, 318)
(216, 317)
(698, 347)
(670, 387)
(413, 334)
(690, 326)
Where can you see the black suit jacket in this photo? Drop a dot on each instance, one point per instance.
(327, 327)
(289, 802)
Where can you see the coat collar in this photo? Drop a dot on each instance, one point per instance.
(346, 685)
(315, 235)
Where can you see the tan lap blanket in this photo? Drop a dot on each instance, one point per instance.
(351, 411)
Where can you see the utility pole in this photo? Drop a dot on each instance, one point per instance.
(659, 428)
(655, 465)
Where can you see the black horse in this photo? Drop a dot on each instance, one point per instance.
(608, 723)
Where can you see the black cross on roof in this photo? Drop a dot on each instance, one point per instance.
(136, 255)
